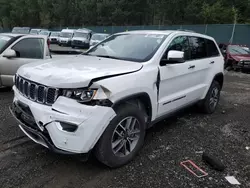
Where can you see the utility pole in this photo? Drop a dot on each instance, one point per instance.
(235, 22)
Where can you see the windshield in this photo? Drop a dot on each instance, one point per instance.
(34, 32)
(22, 31)
(99, 37)
(3, 40)
(82, 35)
(55, 34)
(66, 35)
(238, 50)
(135, 47)
(44, 33)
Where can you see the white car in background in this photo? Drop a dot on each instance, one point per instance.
(54, 37)
(45, 33)
(81, 38)
(98, 37)
(65, 37)
(37, 31)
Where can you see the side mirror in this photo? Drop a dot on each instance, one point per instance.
(173, 57)
(9, 53)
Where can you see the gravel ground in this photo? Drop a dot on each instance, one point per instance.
(225, 135)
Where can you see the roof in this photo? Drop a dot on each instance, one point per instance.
(12, 34)
(166, 32)
(68, 30)
(161, 32)
(101, 34)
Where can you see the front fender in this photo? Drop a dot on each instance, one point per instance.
(124, 86)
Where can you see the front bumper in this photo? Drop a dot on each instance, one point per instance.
(42, 123)
(243, 65)
(79, 44)
(67, 43)
(53, 41)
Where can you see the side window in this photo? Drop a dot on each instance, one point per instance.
(198, 48)
(180, 44)
(30, 48)
(212, 50)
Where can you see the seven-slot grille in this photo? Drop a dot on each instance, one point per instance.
(36, 92)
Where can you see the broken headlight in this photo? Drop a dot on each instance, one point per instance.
(81, 95)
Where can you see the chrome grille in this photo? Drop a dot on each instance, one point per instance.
(36, 92)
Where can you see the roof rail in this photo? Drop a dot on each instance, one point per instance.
(186, 30)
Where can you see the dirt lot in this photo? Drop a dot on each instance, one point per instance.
(59, 48)
(224, 134)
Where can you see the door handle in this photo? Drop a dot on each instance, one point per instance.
(191, 67)
(212, 62)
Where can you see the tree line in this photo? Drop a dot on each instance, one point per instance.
(75, 13)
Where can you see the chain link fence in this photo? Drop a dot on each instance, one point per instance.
(223, 33)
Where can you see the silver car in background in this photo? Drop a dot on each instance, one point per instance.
(98, 37)
(54, 37)
(37, 31)
(81, 38)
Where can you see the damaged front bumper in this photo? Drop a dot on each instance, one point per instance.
(45, 124)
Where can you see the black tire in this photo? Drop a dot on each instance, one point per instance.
(103, 150)
(205, 104)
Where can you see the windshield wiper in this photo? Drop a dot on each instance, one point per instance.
(107, 56)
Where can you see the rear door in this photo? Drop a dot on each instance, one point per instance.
(28, 49)
(201, 66)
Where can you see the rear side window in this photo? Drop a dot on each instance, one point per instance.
(212, 50)
(197, 47)
(30, 48)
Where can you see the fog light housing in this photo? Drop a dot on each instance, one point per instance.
(68, 127)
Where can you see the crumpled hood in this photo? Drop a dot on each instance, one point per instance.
(76, 71)
(241, 57)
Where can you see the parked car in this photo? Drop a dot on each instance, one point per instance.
(21, 30)
(98, 37)
(45, 33)
(236, 57)
(54, 37)
(17, 50)
(81, 38)
(105, 99)
(66, 36)
(37, 31)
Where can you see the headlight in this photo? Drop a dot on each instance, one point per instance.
(81, 95)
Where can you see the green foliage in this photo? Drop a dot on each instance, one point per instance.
(65, 13)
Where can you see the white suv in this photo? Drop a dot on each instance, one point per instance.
(105, 99)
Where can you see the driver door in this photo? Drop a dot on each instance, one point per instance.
(27, 50)
(176, 80)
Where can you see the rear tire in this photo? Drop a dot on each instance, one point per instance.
(123, 138)
(210, 103)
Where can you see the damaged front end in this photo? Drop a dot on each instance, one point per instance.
(67, 126)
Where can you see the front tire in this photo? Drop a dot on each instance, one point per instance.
(211, 101)
(123, 138)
